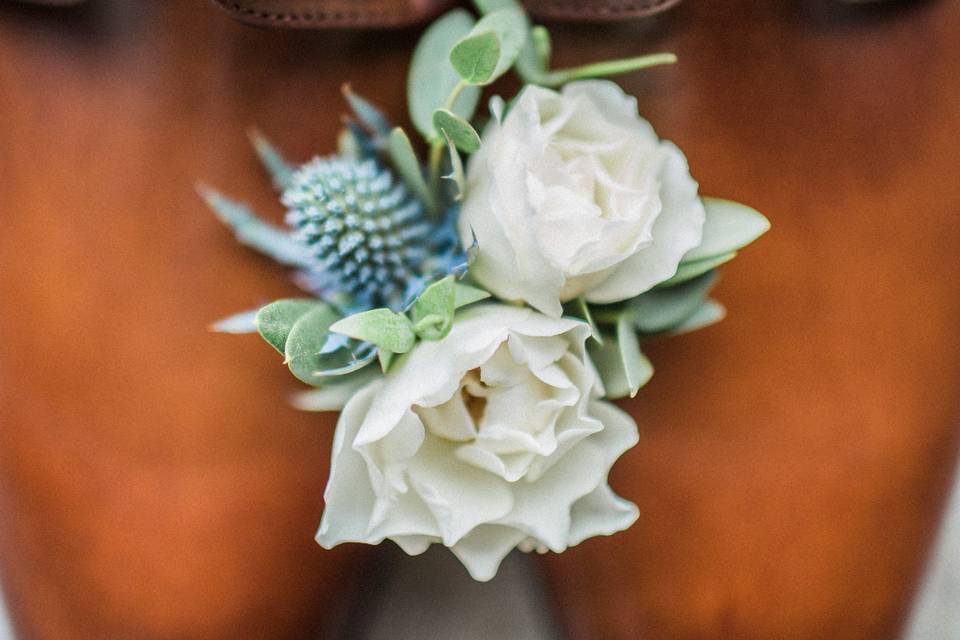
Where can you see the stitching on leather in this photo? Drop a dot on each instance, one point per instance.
(606, 8)
(342, 16)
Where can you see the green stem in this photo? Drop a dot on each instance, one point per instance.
(608, 68)
(436, 157)
(452, 98)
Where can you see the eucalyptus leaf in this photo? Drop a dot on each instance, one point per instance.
(663, 309)
(382, 327)
(304, 350)
(728, 226)
(433, 310)
(461, 132)
(489, 6)
(464, 294)
(281, 172)
(710, 312)
(408, 166)
(475, 57)
(333, 395)
(275, 320)
(510, 25)
(457, 175)
(622, 366)
(432, 77)
(534, 60)
(583, 311)
(386, 357)
(636, 367)
(690, 270)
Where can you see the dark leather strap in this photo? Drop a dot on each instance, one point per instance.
(318, 14)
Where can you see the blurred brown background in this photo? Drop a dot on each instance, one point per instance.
(793, 459)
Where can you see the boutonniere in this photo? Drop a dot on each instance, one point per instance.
(471, 313)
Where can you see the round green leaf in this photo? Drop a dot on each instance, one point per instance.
(475, 58)
(461, 132)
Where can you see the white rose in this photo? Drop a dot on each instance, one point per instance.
(492, 438)
(573, 194)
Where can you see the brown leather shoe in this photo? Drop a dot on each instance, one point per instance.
(319, 14)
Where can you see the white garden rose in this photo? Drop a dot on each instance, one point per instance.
(573, 194)
(492, 438)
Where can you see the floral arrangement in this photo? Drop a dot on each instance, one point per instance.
(472, 324)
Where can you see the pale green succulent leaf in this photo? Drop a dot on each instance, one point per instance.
(533, 62)
(335, 394)
(464, 294)
(457, 175)
(663, 309)
(622, 366)
(308, 353)
(275, 320)
(432, 77)
(461, 132)
(386, 357)
(690, 270)
(475, 57)
(405, 161)
(433, 310)
(382, 327)
(510, 25)
(637, 369)
(710, 312)
(729, 226)
(489, 6)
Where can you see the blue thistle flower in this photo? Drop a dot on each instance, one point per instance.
(371, 239)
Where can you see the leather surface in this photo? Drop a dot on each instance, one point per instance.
(793, 459)
(317, 14)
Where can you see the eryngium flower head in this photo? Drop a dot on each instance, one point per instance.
(370, 236)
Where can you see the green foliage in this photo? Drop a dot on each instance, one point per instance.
(275, 320)
(623, 367)
(433, 310)
(475, 57)
(408, 166)
(472, 55)
(729, 226)
(431, 318)
(708, 313)
(456, 175)
(464, 294)
(432, 78)
(663, 309)
(461, 132)
(385, 328)
(692, 269)
(300, 330)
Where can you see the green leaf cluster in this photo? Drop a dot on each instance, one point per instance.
(430, 317)
(300, 329)
(678, 305)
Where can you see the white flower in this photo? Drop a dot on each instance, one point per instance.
(492, 438)
(574, 194)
